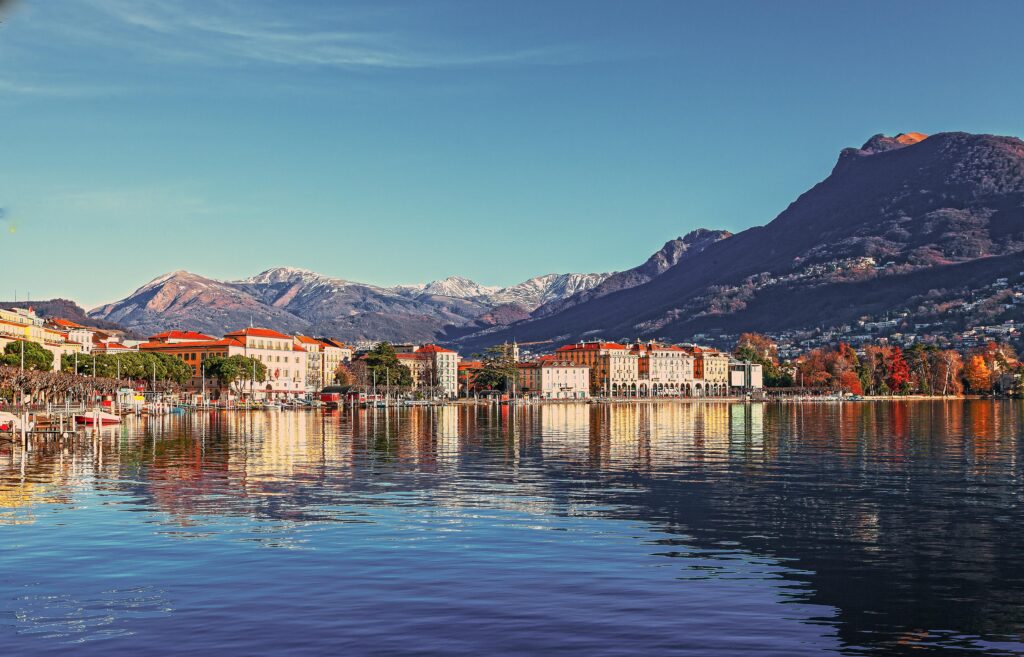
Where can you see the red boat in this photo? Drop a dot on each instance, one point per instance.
(99, 418)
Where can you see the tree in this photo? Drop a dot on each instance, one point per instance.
(342, 376)
(760, 349)
(36, 356)
(898, 373)
(978, 375)
(499, 367)
(232, 371)
(757, 348)
(948, 372)
(382, 364)
(850, 382)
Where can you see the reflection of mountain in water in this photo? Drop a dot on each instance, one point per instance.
(904, 517)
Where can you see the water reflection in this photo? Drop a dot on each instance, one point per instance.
(862, 527)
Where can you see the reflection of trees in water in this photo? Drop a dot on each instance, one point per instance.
(901, 515)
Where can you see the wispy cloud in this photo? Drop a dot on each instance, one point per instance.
(12, 87)
(222, 33)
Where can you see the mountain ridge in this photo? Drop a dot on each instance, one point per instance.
(886, 210)
(301, 300)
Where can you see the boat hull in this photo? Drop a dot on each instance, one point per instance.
(100, 419)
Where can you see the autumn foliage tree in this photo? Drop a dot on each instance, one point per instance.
(898, 373)
(760, 349)
(978, 374)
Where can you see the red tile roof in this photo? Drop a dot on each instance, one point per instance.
(259, 333)
(591, 346)
(67, 323)
(433, 349)
(335, 343)
(640, 347)
(181, 335)
(171, 346)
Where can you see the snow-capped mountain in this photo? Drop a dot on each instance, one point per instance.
(539, 290)
(300, 300)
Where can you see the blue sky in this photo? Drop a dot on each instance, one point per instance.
(402, 142)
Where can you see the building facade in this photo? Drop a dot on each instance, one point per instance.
(710, 372)
(284, 360)
(548, 378)
(614, 371)
(664, 370)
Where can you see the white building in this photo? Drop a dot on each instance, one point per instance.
(664, 370)
(285, 362)
(431, 366)
(548, 378)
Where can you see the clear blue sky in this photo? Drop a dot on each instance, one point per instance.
(402, 142)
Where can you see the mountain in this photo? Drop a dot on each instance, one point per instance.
(63, 309)
(666, 257)
(909, 223)
(298, 300)
(187, 301)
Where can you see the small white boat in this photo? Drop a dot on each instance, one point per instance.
(99, 418)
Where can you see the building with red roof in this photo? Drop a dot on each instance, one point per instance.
(614, 370)
(180, 336)
(551, 378)
(665, 370)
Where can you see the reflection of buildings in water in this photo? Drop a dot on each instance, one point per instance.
(272, 446)
(565, 425)
(715, 425)
(625, 439)
(28, 480)
(746, 425)
(446, 425)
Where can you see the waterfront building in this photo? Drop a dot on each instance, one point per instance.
(468, 370)
(317, 374)
(285, 362)
(549, 378)
(417, 366)
(745, 377)
(335, 353)
(194, 354)
(663, 370)
(710, 372)
(431, 366)
(614, 370)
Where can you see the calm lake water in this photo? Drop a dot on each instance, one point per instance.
(647, 529)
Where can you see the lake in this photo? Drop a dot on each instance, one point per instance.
(873, 528)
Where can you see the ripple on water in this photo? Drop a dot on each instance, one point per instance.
(668, 529)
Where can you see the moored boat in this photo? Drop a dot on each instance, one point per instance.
(98, 418)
